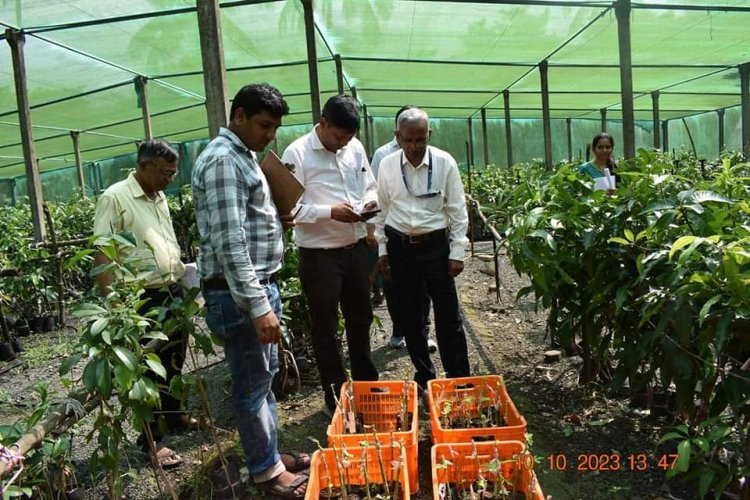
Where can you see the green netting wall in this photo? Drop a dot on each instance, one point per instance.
(450, 134)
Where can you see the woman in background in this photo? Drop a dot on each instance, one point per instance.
(602, 145)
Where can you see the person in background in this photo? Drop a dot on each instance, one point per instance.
(397, 340)
(602, 145)
(339, 187)
(138, 204)
(241, 251)
(421, 232)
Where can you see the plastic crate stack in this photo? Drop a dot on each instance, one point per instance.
(385, 414)
(493, 456)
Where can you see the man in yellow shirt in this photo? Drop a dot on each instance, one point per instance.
(139, 205)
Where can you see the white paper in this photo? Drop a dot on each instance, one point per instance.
(607, 182)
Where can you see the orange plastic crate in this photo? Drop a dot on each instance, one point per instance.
(461, 464)
(379, 404)
(463, 396)
(352, 469)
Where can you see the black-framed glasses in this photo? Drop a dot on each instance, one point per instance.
(429, 193)
(169, 174)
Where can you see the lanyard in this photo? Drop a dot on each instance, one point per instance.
(429, 193)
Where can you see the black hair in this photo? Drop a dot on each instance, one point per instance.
(257, 98)
(153, 149)
(403, 108)
(602, 135)
(342, 111)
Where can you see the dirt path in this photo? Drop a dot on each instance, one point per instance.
(505, 337)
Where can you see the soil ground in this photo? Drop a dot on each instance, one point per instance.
(505, 337)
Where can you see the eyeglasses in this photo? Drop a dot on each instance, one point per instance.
(169, 174)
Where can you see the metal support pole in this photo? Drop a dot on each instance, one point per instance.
(354, 95)
(603, 114)
(543, 67)
(16, 41)
(471, 142)
(339, 74)
(622, 12)
(655, 106)
(312, 58)
(484, 138)
(665, 135)
(367, 130)
(569, 133)
(214, 71)
(142, 83)
(721, 112)
(745, 100)
(508, 135)
(74, 134)
(471, 205)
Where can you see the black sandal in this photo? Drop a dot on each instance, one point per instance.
(301, 461)
(273, 487)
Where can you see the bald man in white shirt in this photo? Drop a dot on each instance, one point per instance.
(421, 232)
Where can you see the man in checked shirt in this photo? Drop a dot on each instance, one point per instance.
(241, 251)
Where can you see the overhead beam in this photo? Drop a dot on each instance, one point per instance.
(16, 41)
(508, 136)
(214, 72)
(312, 58)
(706, 7)
(546, 125)
(622, 12)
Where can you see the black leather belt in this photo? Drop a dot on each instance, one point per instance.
(416, 239)
(219, 283)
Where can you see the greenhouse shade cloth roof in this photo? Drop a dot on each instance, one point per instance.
(451, 58)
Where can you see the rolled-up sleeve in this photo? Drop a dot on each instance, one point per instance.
(227, 195)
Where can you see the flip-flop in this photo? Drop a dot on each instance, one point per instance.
(167, 458)
(284, 492)
(301, 461)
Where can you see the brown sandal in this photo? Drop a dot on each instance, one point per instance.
(288, 492)
(299, 461)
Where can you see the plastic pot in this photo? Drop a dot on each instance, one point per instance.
(49, 324)
(36, 324)
(16, 344)
(6, 352)
(22, 327)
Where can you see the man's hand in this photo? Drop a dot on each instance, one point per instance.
(373, 205)
(288, 220)
(344, 213)
(268, 328)
(372, 242)
(455, 267)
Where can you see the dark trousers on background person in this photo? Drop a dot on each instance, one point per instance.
(331, 278)
(172, 356)
(392, 301)
(419, 266)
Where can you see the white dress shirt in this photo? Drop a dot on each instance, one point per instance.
(381, 153)
(329, 179)
(405, 212)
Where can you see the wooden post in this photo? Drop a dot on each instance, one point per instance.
(622, 12)
(721, 112)
(603, 114)
(543, 69)
(142, 83)
(312, 58)
(655, 106)
(339, 74)
(484, 138)
(367, 130)
(74, 134)
(214, 71)
(508, 134)
(569, 133)
(665, 135)
(58, 268)
(745, 106)
(16, 41)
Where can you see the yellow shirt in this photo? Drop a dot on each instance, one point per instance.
(124, 206)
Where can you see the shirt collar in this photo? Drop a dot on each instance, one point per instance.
(424, 161)
(135, 188)
(236, 141)
(316, 144)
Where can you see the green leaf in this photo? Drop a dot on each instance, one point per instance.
(621, 241)
(680, 243)
(705, 481)
(107, 337)
(154, 363)
(706, 196)
(138, 391)
(104, 378)
(128, 358)
(89, 375)
(88, 309)
(123, 377)
(541, 233)
(683, 461)
(629, 235)
(707, 307)
(99, 325)
(69, 363)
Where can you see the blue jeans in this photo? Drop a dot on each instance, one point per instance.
(253, 367)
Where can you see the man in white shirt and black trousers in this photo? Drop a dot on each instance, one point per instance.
(421, 232)
(340, 194)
